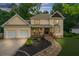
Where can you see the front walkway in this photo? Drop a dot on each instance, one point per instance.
(52, 50)
(9, 47)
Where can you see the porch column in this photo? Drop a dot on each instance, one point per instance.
(41, 31)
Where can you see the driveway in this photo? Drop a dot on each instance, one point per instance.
(9, 47)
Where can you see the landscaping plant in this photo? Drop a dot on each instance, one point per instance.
(29, 41)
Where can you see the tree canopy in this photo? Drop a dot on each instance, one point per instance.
(25, 10)
(70, 12)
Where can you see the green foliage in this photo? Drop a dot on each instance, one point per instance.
(69, 46)
(57, 6)
(71, 9)
(29, 41)
(4, 16)
(70, 12)
(25, 10)
(66, 34)
(35, 41)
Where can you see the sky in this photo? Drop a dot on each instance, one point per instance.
(44, 6)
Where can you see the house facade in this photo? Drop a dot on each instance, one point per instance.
(41, 24)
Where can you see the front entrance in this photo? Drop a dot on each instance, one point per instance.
(46, 30)
(40, 31)
(37, 31)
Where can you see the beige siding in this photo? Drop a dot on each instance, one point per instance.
(44, 22)
(17, 29)
(59, 30)
(36, 21)
(16, 21)
(53, 21)
(61, 27)
(32, 21)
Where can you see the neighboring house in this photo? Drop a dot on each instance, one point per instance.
(41, 24)
(75, 29)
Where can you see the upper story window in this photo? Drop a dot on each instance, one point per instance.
(56, 22)
(36, 21)
(57, 28)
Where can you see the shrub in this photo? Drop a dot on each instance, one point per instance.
(29, 41)
(77, 36)
(68, 34)
(35, 41)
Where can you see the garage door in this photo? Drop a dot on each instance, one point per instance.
(16, 34)
(23, 34)
(10, 34)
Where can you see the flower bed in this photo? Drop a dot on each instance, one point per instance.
(33, 48)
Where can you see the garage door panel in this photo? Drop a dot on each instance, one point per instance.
(23, 34)
(16, 33)
(10, 34)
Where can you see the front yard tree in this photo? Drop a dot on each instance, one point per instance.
(4, 16)
(70, 12)
(26, 10)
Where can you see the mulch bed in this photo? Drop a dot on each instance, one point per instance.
(31, 49)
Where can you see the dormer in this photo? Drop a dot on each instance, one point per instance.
(56, 18)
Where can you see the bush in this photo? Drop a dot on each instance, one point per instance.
(35, 41)
(29, 41)
(76, 36)
(68, 34)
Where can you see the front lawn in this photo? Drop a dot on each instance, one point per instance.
(70, 46)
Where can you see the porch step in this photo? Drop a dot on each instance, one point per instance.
(49, 38)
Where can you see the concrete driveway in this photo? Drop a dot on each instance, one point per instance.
(9, 46)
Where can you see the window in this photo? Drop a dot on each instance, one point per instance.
(36, 21)
(57, 29)
(56, 21)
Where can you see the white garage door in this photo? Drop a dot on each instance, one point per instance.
(23, 34)
(10, 34)
(16, 34)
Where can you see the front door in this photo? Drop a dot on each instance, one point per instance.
(46, 30)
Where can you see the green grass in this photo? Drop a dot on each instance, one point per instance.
(70, 46)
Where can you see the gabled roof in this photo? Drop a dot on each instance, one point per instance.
(41, 16)
(47, 16)
(12, 18)
(57, 14)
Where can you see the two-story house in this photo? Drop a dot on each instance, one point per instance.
(41, 24)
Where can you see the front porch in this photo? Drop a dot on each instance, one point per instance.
(40, 31)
